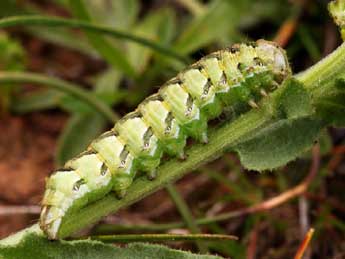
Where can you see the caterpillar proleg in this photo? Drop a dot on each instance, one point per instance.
(239, 75)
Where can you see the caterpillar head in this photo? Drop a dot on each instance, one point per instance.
(275, 58)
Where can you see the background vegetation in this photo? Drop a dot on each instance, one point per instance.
(43, 126)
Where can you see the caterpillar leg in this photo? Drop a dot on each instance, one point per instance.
(263, 93)
(182, 156)
(121, 184)
(152, 174)
(204, 138)
(141, 141)
(120, 194)
(253, 104)
(197, 130)
(175, 147)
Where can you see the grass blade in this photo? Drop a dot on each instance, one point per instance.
(34, 20)
(58, 84)
(113, 55)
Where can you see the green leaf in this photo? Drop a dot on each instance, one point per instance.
(9, 7)
(166, 34)
(108, 82)
(33, 245)
(279, 143)
(289, 136)
(36, 20)
(112, 54)
(149, 28)
(78, 133)
(207, 27)
(74, 105)
(12, 54)
(107, 87)
(309, 43)
(64, 38)
(38, 100)
(120, 14)
(331, 107)
(264, 10)
(12, 58)
(220, 22)
(60, 36)
(294, 101)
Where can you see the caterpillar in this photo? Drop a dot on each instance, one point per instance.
(241, 74)
(337, 10)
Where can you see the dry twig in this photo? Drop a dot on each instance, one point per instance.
(304, 244)
(21, 209)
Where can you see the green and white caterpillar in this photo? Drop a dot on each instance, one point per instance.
(241, 74)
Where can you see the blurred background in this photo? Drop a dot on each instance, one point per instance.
(40, 128)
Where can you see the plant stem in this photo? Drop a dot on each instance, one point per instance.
(326, 70)
(58, 84)
(37, 20)
(161, 237)
(186, 214)
(198, 154)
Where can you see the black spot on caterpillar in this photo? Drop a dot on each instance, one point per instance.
(161, 124)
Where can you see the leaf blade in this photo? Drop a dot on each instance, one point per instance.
(31, 244)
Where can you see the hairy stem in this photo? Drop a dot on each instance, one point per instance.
(324, 71)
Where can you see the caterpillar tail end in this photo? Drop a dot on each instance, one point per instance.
(50, 221)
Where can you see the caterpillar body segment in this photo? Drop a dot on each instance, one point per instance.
(117, 158)
(141, 142)
(239, 75)
(185, 110)
(157, 113)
